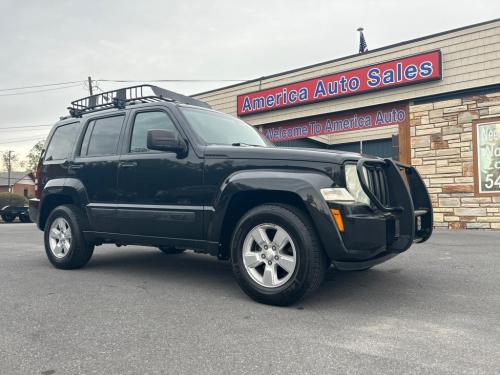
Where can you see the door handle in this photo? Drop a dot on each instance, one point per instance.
(75, 166)
(127, 164)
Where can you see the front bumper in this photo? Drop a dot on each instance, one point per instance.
(399, 215)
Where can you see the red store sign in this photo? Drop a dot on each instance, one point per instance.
(369, 118)
(409, 70)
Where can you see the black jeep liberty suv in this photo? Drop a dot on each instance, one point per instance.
(147, 166)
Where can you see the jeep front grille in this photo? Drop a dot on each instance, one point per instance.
(377, 182)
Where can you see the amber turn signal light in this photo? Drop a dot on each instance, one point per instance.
(338, 218)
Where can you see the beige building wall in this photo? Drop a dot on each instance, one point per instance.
(442, 151)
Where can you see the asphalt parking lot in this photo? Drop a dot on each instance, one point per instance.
(133, 310)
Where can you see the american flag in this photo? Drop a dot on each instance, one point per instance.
(363, 47)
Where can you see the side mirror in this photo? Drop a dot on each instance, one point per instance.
(164, 140)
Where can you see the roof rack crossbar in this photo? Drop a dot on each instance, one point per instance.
(120, 97)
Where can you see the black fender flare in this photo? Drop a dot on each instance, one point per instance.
(71, 188)
(304, 184)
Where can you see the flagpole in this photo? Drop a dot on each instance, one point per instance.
(362, 42)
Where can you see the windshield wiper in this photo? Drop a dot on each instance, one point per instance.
(244, 144)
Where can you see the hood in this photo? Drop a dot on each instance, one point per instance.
(281, 153)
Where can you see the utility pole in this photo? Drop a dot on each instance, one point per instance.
(90, 86)
(9, 165)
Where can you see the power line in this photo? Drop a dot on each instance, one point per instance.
(25, 127)
(35, 91)
(19, 139)
(123, 80)
(171, 80)
(35, 86)
(98, 88)
(114, 80)
(107, 80)
(22, 140)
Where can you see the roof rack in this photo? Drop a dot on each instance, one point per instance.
(134, 94)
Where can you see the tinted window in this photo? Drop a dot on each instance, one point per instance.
(62, 142)
(101, 137)
(148, 121)
(219, 128)
(85, 143)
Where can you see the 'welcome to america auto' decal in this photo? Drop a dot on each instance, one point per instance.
(333, 123)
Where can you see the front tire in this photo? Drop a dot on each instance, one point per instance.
(276, 255)
(8, 218)
(65, 245)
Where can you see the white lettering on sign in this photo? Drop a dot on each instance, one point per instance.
(337, 123)
(424, 67)
(487, 150)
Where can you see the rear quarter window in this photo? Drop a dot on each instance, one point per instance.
(62, 141)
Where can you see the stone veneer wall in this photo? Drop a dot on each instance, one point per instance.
(441, 150)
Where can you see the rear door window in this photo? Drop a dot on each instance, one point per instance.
(62, 142)
(102, 136)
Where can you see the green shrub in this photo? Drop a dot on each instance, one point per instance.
(11, 199)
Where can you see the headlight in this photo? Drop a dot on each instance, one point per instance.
(353, 185)
(336, 195)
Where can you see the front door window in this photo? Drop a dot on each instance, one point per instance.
(144, 122)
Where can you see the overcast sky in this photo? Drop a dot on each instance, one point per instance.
(45, 42)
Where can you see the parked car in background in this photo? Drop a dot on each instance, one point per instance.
(9, 214)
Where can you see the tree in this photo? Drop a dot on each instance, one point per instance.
(9, 159)
(33, 157)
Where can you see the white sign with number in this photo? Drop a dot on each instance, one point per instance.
(487, 139)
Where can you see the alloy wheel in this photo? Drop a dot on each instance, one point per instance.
(269, 255)
(60, 237)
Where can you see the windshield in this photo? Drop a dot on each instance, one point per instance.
(218, 128)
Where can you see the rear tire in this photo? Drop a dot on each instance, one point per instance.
(276, 256)
(8, 218)
(24, 219)
(171, 250)
(65, 245)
